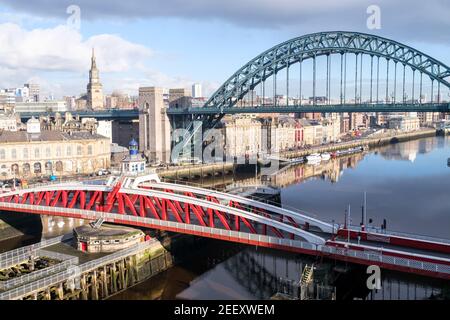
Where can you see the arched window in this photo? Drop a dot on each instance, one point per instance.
(37, 167)
(26, 169)
(4, 170)
(15, 169)
(59, 166)
(48, 167)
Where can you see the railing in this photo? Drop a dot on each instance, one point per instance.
(27, 250)
(43, 273)
(42, 184)
(18, 259)
(219, 193)
(72, 273)
(402, 234)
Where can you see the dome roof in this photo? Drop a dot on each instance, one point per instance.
(133, 143)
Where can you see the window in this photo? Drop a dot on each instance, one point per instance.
(14, 153)
(79, 150)
(69, 150)
(2, 154)
(26, 168)
(59, 166)
(25, 153)
(37, 167)
(89, 150)
(48, 152)
(58, 151)
(36, 153)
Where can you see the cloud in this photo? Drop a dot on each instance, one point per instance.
(412, 20)
(62, 49)
(59, 59)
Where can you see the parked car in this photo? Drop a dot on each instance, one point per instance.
(103, 172)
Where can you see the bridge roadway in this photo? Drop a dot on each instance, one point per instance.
(320, 108)
(284, 229)
(133, 114)
(110, 114)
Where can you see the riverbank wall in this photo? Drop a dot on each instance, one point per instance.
(370, 142)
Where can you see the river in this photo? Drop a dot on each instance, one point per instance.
(406, 183)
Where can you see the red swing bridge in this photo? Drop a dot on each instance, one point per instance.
(147, 202)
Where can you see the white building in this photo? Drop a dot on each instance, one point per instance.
(404, 123)
(196, 90)
(104, 128)
(45, 106)
(8, 122)
(242, 136)
(7, 96)
(22, 94)
(33, 91)
(33, 126)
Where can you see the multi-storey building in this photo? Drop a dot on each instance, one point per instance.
(404, 123)
(242, 136)
(36, 153)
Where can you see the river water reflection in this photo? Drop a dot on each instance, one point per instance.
(406, 183)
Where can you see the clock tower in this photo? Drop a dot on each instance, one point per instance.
(94, 87)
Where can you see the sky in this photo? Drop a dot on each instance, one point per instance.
(174, 43)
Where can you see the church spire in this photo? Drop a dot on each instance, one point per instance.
(94, 87)
(93, 63)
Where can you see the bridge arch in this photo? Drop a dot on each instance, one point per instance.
(309, 46)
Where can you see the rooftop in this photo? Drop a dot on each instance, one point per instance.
(47, 135)
(106, 231)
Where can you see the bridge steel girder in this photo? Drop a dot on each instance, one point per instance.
(328, 108)
(310, 46)
(164, 205)
(260, 207)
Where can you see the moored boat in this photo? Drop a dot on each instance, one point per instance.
(314, 157)
(325, 156)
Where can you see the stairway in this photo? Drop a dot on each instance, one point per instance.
(307, 275)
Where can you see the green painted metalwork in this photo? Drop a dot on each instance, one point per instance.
(310, 46)
(375, 107)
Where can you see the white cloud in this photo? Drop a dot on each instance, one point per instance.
(62, 49)
(60, 58)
